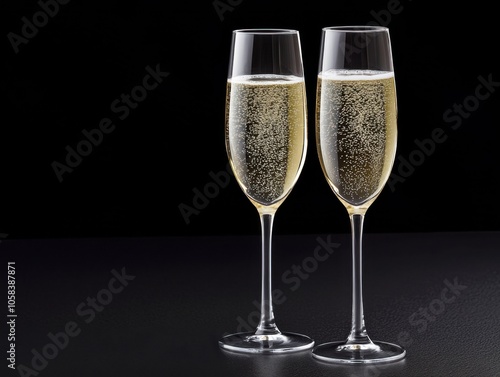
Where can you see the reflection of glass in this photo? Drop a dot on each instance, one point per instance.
(277, 365)
(356, 133)
(266, 142)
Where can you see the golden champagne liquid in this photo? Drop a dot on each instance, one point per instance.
(356, 133)
(266, 135)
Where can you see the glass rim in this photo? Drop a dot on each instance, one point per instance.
(266, 31)
(356, 28)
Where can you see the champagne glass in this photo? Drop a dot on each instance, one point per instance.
(266, 142)
(356, 136)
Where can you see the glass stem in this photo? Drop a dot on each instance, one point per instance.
(267, 324)
(358, 333)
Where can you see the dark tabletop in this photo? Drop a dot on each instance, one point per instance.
(157, 306)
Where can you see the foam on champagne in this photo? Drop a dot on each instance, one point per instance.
(355, 74)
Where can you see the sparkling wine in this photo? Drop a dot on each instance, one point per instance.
(266, 134)
(356, 121)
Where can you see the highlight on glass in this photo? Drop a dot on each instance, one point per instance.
(266, 143)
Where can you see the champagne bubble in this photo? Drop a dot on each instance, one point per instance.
(356, 120)
(265, 134)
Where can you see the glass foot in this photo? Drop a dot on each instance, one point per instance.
(248, 342)
(374, 352)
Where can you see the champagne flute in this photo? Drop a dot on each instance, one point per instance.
(356, 137)
(266, 142)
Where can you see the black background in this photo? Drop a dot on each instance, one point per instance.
(64, 79)
(188, 291)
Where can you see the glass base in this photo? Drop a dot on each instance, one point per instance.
(345, 353)
(249, 342)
